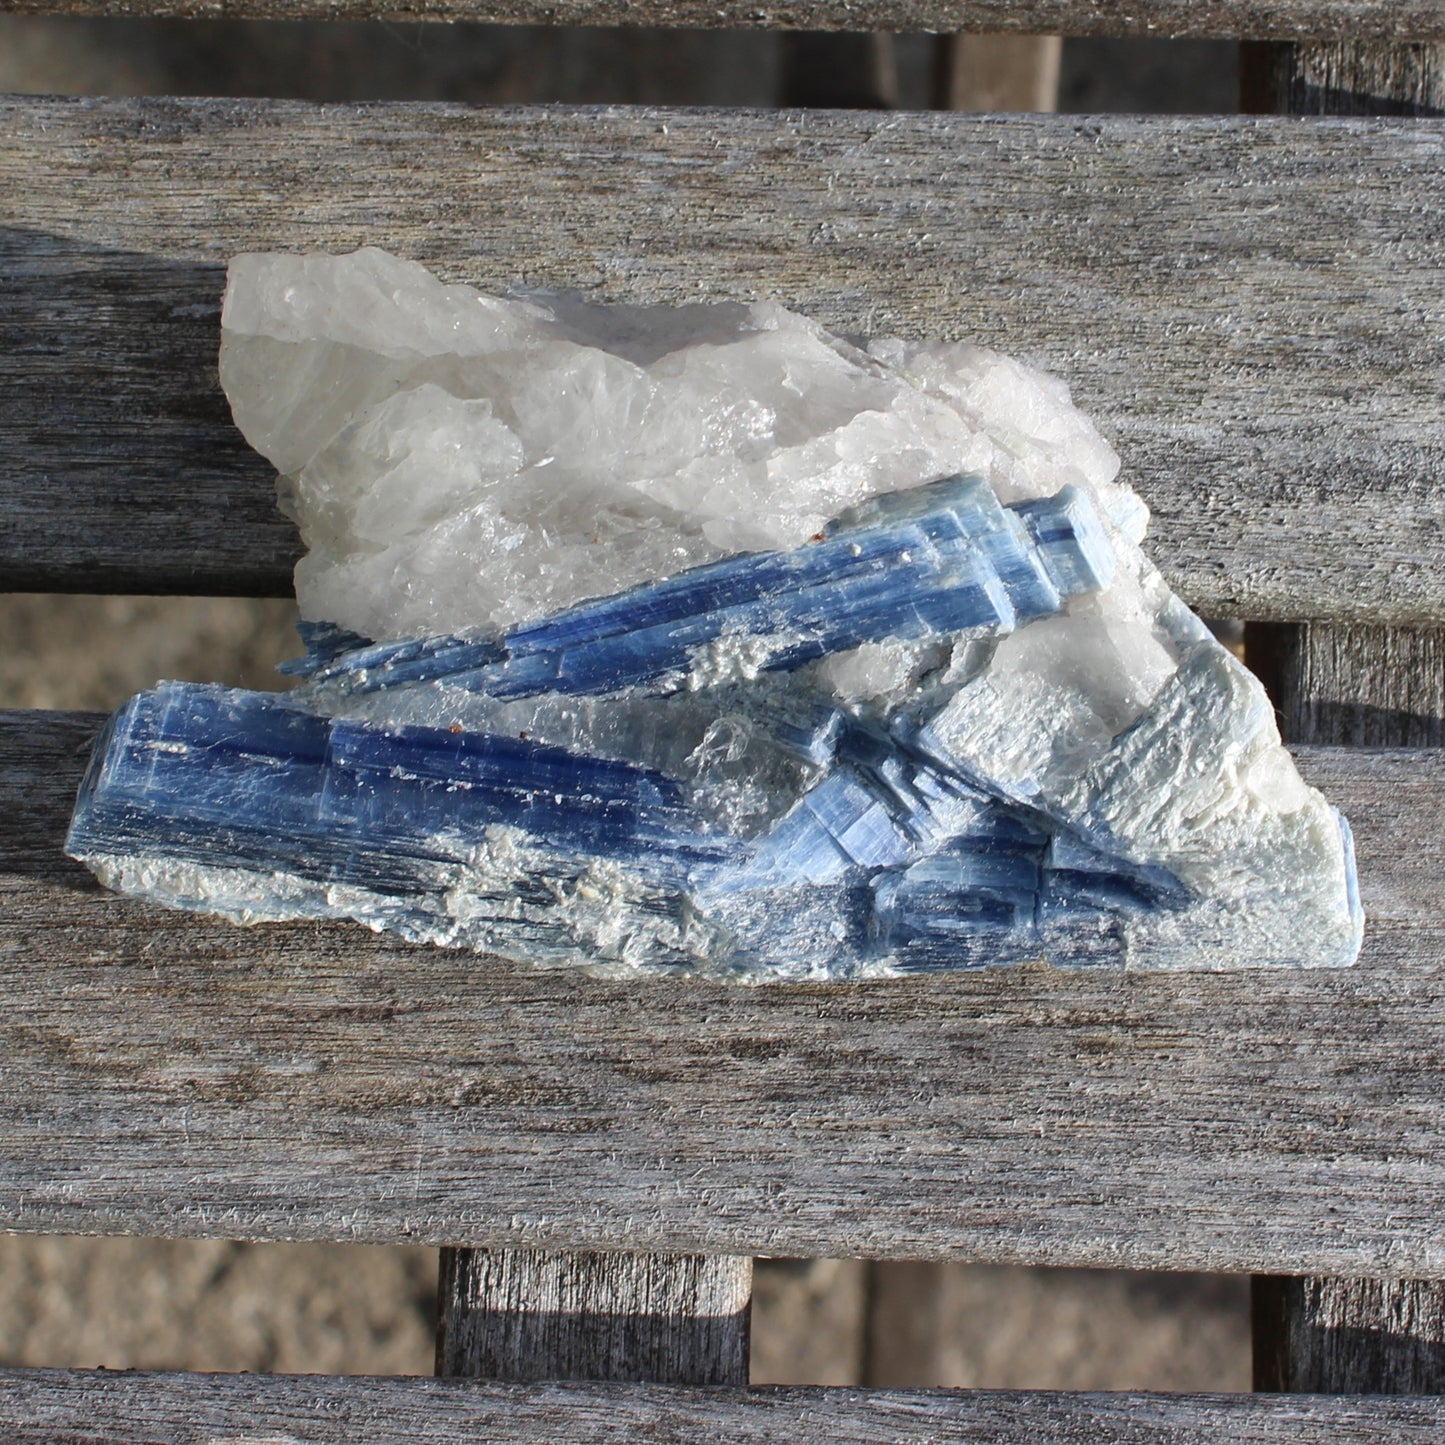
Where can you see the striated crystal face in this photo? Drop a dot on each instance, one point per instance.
(703, 639)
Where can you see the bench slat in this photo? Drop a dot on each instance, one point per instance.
(1250, 306)
(168, 1409)
(538, 1314)
(1343, 685)
(1227, 19)
(164, 1074)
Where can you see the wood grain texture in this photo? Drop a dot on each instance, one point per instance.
(1365, 684)
(1350, 1336)
(523, 1314)
(1251, 308)
(130, 1408)
(1360, 77)
(1227, 19)
(164, 1074)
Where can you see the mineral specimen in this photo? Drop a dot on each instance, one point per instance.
(702, 639)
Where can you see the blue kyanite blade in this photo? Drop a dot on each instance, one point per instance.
(960, 877)
(896, 851)
(243, 780)
(324, 643)
(1070, 540)
(1000, 897)
(884, 858)
(938, 559)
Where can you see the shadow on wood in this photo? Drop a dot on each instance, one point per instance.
(547, 1315)
(122, 470)
(1308, 1337)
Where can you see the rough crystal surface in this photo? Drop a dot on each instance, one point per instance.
(701, 638)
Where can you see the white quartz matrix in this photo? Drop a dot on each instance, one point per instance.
(461, 462)
(456, 460)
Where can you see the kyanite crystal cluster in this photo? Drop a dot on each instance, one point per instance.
(700, 638)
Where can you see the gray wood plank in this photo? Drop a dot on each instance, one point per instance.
(1363, 684)
(103, 1408)
(523, 1314)
(163, 1074)
(1349, 1336)
(1250, 307)
(1358, 77)
(1261, 19)
(100, 1408)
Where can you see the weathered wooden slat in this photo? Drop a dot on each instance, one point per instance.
(1363, 684)
(1349, 1336)
(168, 1075)
(1250, 307)
(1348, 76)
(537, 1314)
(103, 1408)
(1227, 19)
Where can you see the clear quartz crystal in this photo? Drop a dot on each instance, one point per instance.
(1091, 779)
(458, 461)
